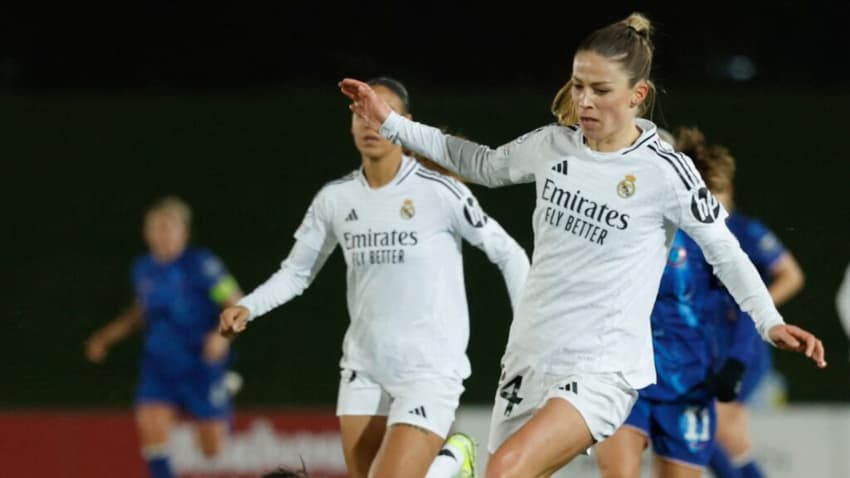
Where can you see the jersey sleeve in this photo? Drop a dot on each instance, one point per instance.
(296, 273)
(215, 277)
(483, 232)
(512, 163)
(692, 207)
(313, 245)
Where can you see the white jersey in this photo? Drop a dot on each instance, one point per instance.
(402, 247)
(602, 226)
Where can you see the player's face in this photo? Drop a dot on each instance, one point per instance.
(368, 141)
(602, 96)
(165, 234)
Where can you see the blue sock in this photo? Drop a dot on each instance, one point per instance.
(750, 470)
(158, 464)
(721, 465)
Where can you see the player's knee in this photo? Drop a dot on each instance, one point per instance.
(504, 465)
(618, 469)
(210, 443)
(739, 447)
(211, 448)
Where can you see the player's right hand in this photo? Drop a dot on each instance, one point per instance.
(365, 103)
(233, 320)
(96, 349)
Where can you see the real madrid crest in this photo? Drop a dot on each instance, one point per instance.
(626, 187)
(407, 209)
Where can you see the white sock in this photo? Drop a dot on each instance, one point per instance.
(447, 463)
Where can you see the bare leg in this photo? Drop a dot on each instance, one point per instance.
(677, 469)
(619, 456)
(211, 435)
(154, 422)
(407, 450)
(361, 439)
(733, 432)
(556, 434)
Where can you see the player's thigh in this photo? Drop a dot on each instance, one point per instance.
(733, 428)
(362, 407)
(577, 410)
(361, 439)
(620, 455)
(154, 421)
(666, 468)
(421, 414)
(556, 434)
(407, 450)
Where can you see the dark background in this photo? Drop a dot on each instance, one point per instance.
(235, 108)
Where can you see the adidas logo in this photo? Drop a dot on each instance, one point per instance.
(561, 167)
(352, 216)
(569, 387)
(420, 411)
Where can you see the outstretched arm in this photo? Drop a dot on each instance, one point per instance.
(786, 279)
(509, 164)
(296, 273)
(98, 344)
(700, 215)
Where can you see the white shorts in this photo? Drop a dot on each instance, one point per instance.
(603, 400)
(427, 402)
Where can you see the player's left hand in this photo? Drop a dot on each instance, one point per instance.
(795, 339)
(215, 347)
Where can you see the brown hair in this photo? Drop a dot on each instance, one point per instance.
(714, 162)
(628, 42)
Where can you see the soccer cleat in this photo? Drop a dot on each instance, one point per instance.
(467, 445)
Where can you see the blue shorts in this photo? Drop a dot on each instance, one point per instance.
(757, 369)
(682, 432)
(202, 394)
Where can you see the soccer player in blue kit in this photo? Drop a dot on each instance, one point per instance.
(676, 414)
(179, 291)
(745, 358)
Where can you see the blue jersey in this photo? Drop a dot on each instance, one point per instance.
(737, 335)
(180, 300)
(682, 340)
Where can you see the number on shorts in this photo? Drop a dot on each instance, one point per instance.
(510, 392)
(697, 425)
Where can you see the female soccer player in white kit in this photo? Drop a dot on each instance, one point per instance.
(399, 226)
(609, 196)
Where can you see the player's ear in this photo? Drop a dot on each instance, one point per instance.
(639, 93)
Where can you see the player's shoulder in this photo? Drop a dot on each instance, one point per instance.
(745, 220)
(674, 166)
(337, 188)
(198, 254)
(548, 133)
(203, 261)
(341, 182)
(443, 185)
